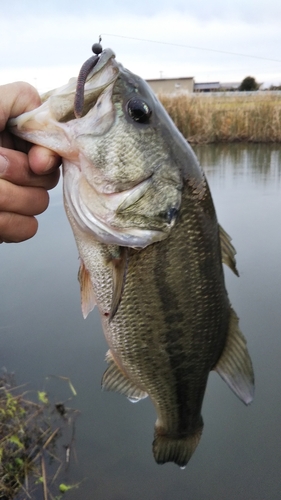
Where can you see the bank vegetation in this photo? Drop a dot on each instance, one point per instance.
(232, 117)
(34, 456)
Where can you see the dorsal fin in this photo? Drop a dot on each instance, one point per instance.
(228, 251)
(234, 365)
(88, 300)
(115, 380)
(119, 271)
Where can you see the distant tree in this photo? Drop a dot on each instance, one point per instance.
(248, 84)
(275, 87)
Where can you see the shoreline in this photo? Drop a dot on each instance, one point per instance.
(205, 118)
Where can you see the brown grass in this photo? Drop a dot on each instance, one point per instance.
(204, 118)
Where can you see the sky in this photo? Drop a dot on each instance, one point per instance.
(45, 43)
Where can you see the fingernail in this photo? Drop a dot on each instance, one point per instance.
(3, 164)
(50, 164)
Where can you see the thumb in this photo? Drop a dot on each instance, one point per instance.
(16, 98)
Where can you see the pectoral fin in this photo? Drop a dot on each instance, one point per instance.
(88, 300)
(227, 250)
(234, 365)
(115, 380)
(119, 270)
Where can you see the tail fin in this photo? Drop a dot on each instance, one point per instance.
(167, 449)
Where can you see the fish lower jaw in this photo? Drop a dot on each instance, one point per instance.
(101, 228)
(95, 212)
(104, 232)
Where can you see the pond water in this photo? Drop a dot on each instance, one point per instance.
(43, 333)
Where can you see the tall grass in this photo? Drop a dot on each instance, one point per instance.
(204, 118)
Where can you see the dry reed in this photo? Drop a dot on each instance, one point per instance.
(204, 118)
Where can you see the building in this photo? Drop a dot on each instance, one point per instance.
(230, 86)
(207, 87)
(172, 85)
(187, 84)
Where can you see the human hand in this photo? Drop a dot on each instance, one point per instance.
(26, 171)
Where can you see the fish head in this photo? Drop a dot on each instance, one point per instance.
(124, 160)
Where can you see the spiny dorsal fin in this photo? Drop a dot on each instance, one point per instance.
(234, 365)
(115, 380)
(119, 267)
(228, 251)
(88, 300)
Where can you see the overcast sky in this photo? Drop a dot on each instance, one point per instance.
(45, 43)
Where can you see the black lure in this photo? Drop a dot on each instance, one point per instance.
(82, 77)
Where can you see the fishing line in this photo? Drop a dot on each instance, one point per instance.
(193, 47)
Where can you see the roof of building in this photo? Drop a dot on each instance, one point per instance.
(169, 79)
(206, 85)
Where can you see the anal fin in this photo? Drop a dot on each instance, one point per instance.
(234, 365)
(115, 380)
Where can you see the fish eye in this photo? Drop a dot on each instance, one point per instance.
(138, 110)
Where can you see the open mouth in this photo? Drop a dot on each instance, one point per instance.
(47, 125)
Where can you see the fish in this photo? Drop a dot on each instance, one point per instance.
(150, 246)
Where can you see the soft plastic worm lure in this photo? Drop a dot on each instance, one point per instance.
(82, 77)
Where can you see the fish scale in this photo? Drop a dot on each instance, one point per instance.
(150, 246)
(175, 322)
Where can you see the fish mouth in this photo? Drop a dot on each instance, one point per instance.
(95, 212)
(48, 125)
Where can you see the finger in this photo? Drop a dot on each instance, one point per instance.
(14, 167)
(15, 228)
(43, 160)
(16, 98)
(22, 200)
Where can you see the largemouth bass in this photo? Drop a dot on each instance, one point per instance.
(150, 246)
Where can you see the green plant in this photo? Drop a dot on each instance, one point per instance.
(29, 432)
(249, 84)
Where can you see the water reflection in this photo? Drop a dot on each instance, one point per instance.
(259, 162)
(42, 332)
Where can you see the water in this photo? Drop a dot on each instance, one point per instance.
(43, 333)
